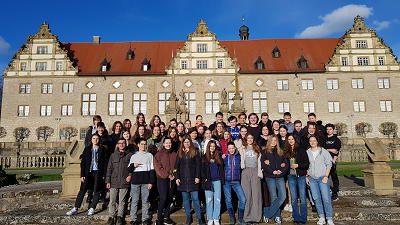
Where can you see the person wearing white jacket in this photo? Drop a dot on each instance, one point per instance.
(317, 179)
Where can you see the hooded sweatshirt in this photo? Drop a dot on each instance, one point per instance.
(232, 167)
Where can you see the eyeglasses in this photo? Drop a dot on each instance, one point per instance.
(120, 143)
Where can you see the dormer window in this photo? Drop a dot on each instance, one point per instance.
(42, 50)
(302, 62)
(130, 55)
(259, 64)
(275, 52)
(105, 66)
(146, 66)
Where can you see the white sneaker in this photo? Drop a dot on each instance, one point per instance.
(330, 222)
(90, 211)
(73, 211)
(321, 221)
(216, 222)
(290, 208)
(287, 208)
(210, 222)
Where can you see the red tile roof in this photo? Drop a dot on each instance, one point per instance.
(88, 56)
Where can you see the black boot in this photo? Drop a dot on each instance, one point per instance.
(200, 222)
(110, 221)
(240, 217)
(189, 220)
(232, 216)
(118, 221)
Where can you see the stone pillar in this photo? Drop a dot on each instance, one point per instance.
(72, 173)
(172, 110)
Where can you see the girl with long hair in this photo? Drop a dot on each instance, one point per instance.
(283, 130)
(275, 127)
(253, 126)
(173, 134)
(251, 179)
(212, 177)
(218, 133)
(130, 144)
(116, 128)
(141, 133)
(240, 138)
(140, 120)
(154, 143)
(200, 132)
(296, 177)
(155, 121)
(188, 178)
(275, 166)
(192, 132)
(207, 138)
(263, 138)
(224, 142)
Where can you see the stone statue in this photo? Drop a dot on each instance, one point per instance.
(183, 98)
(224, 96)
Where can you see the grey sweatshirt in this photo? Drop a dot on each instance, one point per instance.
(318, 166)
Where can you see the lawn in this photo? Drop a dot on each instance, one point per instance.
(354, 171)
(40, 177)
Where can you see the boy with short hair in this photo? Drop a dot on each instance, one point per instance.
(188, 125)
(333, 145)
(233, 129)
(219, 117)
(173, 122)
(298, 129)
(242, 119)
(199, 121)
(289, 125)
(92, 129)
(265, 121)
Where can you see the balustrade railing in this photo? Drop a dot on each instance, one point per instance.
(42, 161)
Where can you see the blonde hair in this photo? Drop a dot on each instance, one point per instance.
(268, 147)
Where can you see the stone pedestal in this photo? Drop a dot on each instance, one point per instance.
(379, 176)
(172, 110)
(237, 106)
(72, 173)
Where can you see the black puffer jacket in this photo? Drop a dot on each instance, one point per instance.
(206, 175)
(188, 169)
(301, 158)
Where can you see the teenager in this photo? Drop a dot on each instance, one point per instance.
(200, 132)
(118, 182)
(242, 119)
(224, 141)
(233, 128)
(116, 129)
(250, 162)
(311, 129)
(93, 171)
(240, 139)
(199, 121)
(263, 138)
(173, 123)
(219, 117)
(163, 129)
(127, 123)
(298, 130)
(188, 178)
(140, 133)
(232, 171)
(193, 135)
(140, 120)
(253, 127)
(296, 177)
(265, 121)
(275, 166)
(92, 129)
(333, 145)
(275, 127)
(188, 125)
(130, 144)
(155, 121)
(289, 125)
(181, 130)
(164, 165)
(218, 133)
(313, 118)
(283, 131)
(173, 134)
(141, 176)
(212, 179)
(106, 140)
(317, 179)
(154, 143)
(207, 138)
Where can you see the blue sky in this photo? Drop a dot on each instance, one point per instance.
(128, 20)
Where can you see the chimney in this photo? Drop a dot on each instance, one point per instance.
(96, 40)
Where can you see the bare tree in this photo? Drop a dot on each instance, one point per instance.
(70, 132)
(44, 133)
(388, 129)
(3, 132)
(21, 133)
(363, 129)
(341, 129)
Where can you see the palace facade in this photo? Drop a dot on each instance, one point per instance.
(60, 85)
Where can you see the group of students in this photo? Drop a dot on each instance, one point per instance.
(265, 162)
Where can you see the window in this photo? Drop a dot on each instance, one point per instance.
(230, 96)
(83, 133)
(163, 102)
(386, 106)
(104, 69)
(332, 83)
(309, 107)
(381, 62)
(41, 66)
(88, 104)
(259, 66)
(344, 61)
(191, 102)
(139, 103)
(45, 110)
(184, 65)
(201, 48)
(199, 63)
(23, 110)
(362, 61)
(383, 82)
(44, 134)
(259, 101)
(358, 43)
(357, 83)
(365, 60)
(364, 44)
(304, 65)
(283, 85)
(212, 102)
(59, 66)
(66, 110)
(144, 67)
(307, 84)
(333, 107)
(42, 50)
(359, 61)
(219, 64)
(47, 88)
(283, 107)
(67, 133)
(25, 88)
(359, 106)
(23, 66)
(115, 104)
(202, 64)
(68, 87)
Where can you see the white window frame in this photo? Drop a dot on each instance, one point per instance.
(139, 104)
(365, 61)
(23, 110)
(381, 61)
(163, 102)
(283, 107)
(115, 104)
(68, 87)
(191, 102)
(332, 84)
(42, 50)
(104, 68)
(283, 84)
(386, 105)
(25, 88)
(219, 64)
(307, 84)
(47, 88)
(45, 110)
(358, 44)
(359, 61)
(211, 102)
(364, 44)
(41, 66)
(383, 83)
(357, 83)
(359, 106)
(334, 107)
(201, 48)
(344, 61)
(89, 104)
(83, 133)
(199, 64)
(66, 110)
(59, 65)
(184, 65)
(23, 66)
(309, 107)
(205, 64)
(260, 101)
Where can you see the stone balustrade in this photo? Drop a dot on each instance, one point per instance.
(359, 155)
(38, 161)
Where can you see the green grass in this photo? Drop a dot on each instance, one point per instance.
(40, 177)
(362, 163)
(41, 168)
(354, 171)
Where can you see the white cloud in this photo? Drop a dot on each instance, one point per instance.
(381, 25)
(4, 46)
(339, 20)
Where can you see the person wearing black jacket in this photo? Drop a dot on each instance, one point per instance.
(333, 145)
(219, 117)
(311, 129)
(212, 178)
(93, 172)
(187, 177)
(263, 138)
(92, 129)
(299, 164)
(116, 129)
(275, 166)
(265, 121)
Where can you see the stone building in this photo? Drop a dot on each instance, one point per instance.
(59, 85)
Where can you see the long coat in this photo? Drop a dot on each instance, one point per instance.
(188, 169)
(101, 166)
(206, 175)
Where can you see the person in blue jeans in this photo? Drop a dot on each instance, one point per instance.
(299, 163)
(212, 177)
(187, 177)
(275, 166)
(317, 179)
(232, 180)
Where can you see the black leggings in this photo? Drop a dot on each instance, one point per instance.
(166, 192)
